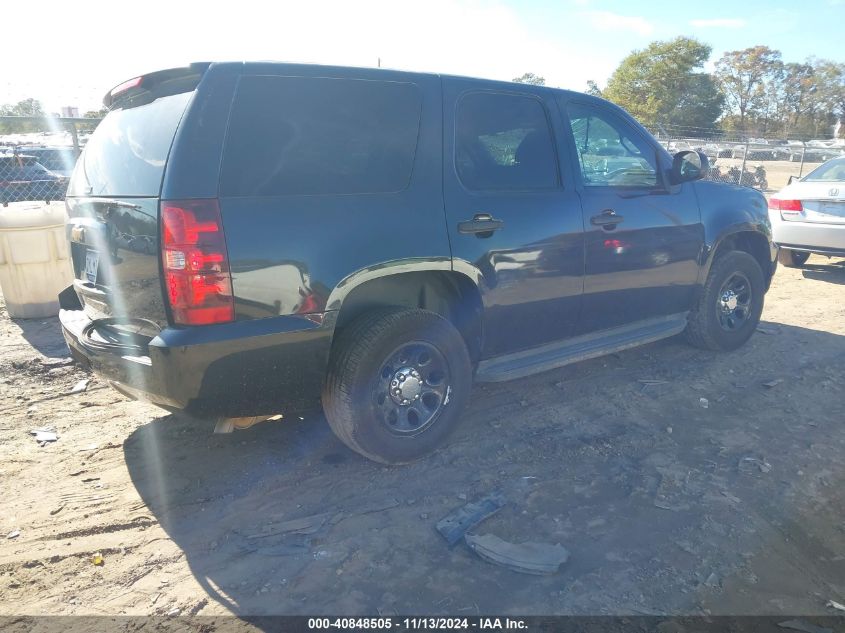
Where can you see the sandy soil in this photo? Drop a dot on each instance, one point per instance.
(665, 506)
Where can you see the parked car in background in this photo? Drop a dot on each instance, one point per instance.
(59, 160)
(808, 215)
(278, 236)
(22, 177)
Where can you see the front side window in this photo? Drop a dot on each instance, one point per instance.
(503, 142)
(610, 152)
(320, 136)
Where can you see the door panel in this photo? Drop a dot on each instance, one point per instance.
(643, 238)
(513, 216)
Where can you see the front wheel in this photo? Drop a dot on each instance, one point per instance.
(730, 304)
(792, 259)
(396, 384)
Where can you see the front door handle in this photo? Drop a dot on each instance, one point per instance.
(480, 223)
(608, 218)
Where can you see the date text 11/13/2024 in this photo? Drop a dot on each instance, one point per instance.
(411, 624)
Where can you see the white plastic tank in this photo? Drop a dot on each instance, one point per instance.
(34, 264)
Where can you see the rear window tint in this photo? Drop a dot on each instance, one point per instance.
(300, 136)
(503, 142)
(126, 154)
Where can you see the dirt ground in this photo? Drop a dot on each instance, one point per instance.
(666, 506)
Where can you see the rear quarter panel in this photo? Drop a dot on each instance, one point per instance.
(300, 254)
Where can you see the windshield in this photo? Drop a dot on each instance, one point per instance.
(127, 152)
(831, 170)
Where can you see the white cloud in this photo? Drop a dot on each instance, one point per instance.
(718, 23)
(609, 21)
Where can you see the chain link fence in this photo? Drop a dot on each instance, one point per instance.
(38, 155)
(764, 164)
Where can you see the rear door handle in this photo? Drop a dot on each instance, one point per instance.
(480, 223)
(607, 218)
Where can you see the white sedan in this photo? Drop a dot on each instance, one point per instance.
(808, 215)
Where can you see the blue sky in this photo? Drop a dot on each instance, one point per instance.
(799, 29)
(566, 41)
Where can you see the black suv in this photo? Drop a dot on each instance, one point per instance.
(254, 238)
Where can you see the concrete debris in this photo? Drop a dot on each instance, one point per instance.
(835, 605)
(81, 386)
(44, 435)
(751, 464)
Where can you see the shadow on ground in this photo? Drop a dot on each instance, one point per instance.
(668, 472)
(45, 335)
(831, 272)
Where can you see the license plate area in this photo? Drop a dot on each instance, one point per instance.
(92, 265)
(833, 208)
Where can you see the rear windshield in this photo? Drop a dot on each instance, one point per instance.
(832, 170)
(126, 154)
(306, 136)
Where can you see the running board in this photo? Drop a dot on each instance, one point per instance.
(574, 350)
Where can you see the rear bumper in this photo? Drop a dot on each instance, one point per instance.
(809, 236)
(246, 368)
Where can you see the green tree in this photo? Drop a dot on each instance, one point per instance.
(745, 78)
(830, 98)
(27, 107)
(530, 78)
(96, 114)
(662, 84)
(92, 114)
(593, 88)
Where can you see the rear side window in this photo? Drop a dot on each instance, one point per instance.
(503, 142)
(301, 136)
(126, 154)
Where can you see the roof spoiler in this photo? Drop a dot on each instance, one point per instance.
(146, 88)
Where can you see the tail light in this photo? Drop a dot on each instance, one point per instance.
(195, 262)
(126, 85)
(788, 208)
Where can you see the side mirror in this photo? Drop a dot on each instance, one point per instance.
(687, 166)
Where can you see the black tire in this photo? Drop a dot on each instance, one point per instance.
(357, 396)
(711, 324)
(792, 259)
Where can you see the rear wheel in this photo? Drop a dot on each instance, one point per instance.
(792, 259)
(730, 304)
(397, 382)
